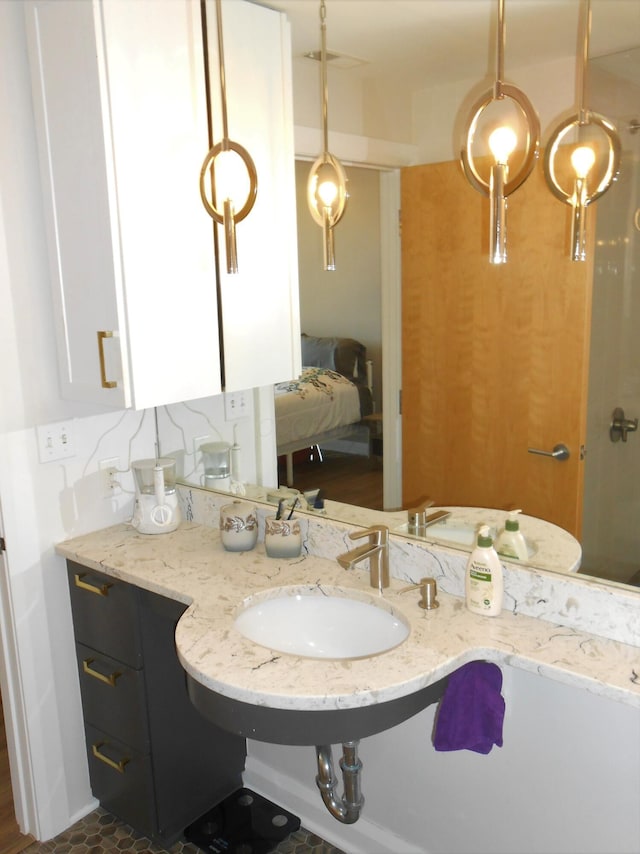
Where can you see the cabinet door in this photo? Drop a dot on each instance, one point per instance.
(153, 74)
(260, 304)
(195, 764)
(75, 175)
(120, 102)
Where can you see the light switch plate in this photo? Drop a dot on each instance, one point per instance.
(55, 441)
(237, 404)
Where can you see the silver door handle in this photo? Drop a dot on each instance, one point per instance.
(560, 452)
(620, 425)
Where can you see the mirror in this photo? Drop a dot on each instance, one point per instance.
(610, 33)
(340, 316)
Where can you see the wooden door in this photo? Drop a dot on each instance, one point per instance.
(495, 358)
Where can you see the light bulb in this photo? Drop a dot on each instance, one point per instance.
(232, 180)
(327, 193)
(502, 143)
(582, 159)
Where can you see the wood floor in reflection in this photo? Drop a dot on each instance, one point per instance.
(342, 477)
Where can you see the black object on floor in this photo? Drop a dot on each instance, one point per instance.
(244, 823)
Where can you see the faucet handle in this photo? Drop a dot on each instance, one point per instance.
(378, 534)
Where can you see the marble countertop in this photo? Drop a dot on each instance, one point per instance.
(551, 547)
(191, 566)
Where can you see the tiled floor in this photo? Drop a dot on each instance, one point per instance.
(101, 833)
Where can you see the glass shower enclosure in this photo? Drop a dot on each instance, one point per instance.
(611, 512)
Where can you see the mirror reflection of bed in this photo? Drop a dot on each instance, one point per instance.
(340, 319)
(328, 431)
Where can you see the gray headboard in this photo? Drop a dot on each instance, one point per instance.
(344, 355)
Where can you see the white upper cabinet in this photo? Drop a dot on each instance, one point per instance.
(120, 105)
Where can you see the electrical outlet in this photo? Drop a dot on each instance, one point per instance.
(55, 441)
(109, 474)
(237, 404)
(199, 440)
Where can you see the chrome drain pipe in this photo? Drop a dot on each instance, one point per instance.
(348, 808)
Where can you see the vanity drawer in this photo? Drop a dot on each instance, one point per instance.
(122, 780)
(105, 614)
(154, 760)
(113, 697)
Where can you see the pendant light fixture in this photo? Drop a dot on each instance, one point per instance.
(582, 158)
(327, 183)
(502, 118)
(226, 162)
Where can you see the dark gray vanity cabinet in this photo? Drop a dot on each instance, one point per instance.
(154, 761)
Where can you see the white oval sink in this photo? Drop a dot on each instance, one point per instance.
(320, 622)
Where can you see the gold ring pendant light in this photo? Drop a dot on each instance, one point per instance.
(228, 216)
(502, 141)
(570, 170)
(327, 183)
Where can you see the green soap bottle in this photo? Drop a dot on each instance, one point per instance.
(511, 542)
(484, 586)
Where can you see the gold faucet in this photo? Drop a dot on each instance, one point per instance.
(377, 550)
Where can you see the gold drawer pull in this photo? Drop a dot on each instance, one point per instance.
(103, 371)
(100, 590)
(117, 766)
(107, 679)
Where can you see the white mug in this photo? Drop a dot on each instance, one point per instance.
(238, 526)
(282, 537)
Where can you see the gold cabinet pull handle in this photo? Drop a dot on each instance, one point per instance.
(117, 766)
(103, 372)
(100, 590)
(108, 679)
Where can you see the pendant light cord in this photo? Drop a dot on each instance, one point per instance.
(214, 230)
(223, 77)
(586, 33)
(500, 51)
(323, 66)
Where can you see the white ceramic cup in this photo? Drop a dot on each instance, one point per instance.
(238, 526)
(282, 537)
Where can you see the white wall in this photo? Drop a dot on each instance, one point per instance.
(429, 122)
(567, 779)
(353, 107)
(439, 113)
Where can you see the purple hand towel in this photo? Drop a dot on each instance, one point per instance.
(471, 710)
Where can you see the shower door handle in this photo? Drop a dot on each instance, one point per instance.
(559, 452)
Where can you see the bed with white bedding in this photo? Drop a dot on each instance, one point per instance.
(327, 401)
